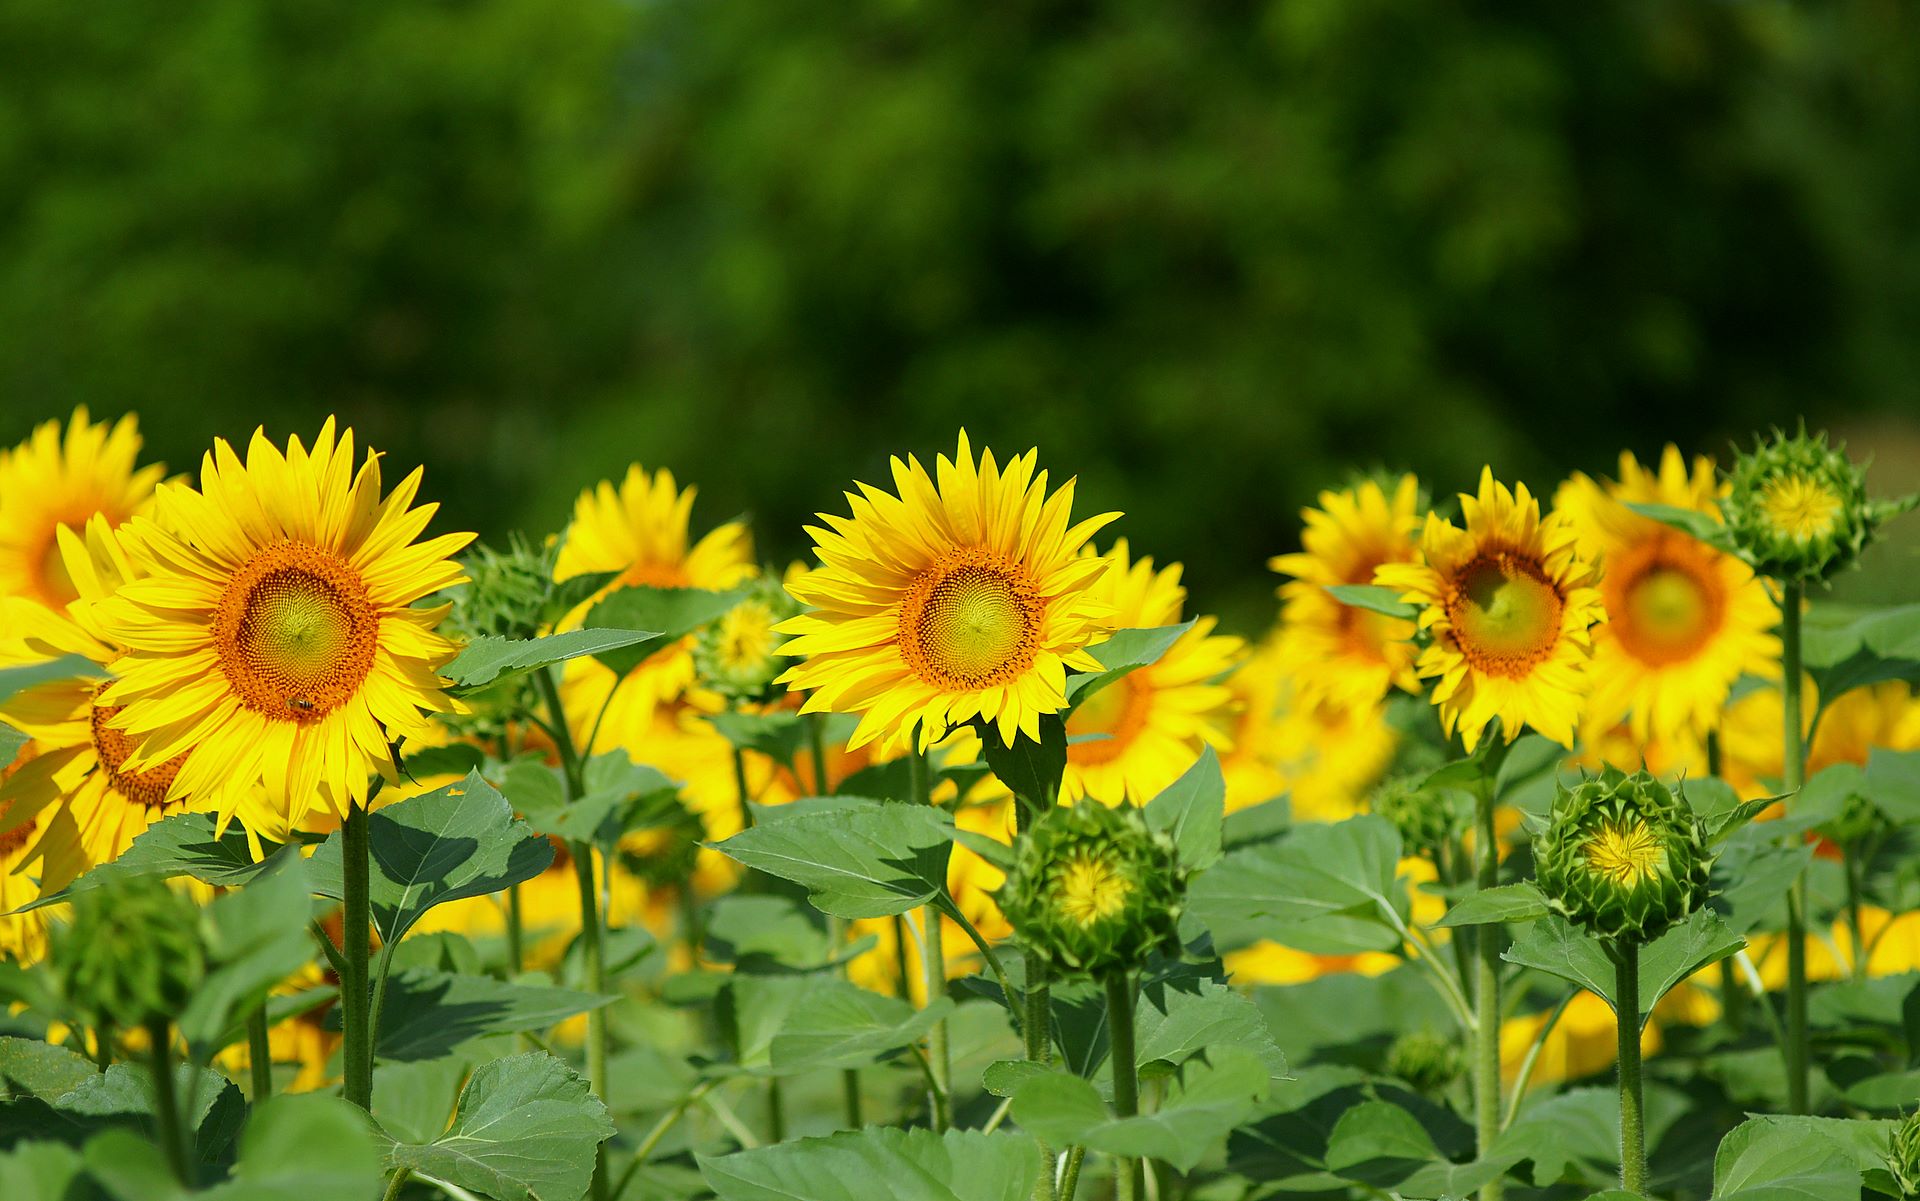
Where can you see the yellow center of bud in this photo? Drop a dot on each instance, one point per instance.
(1089, 889)
(1625, 854)
(1801, 507)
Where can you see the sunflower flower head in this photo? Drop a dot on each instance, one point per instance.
(507, 591)
(1509, 604)
(961, 595)
(1623, 856)
(131, 952)
(1425, 817)
(1797, 508)
(1094, 889)
(1903, 1155)
(57, 479)
(739, 655)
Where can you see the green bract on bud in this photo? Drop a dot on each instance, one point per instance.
(1797, 509)
(506, 592)
(1094, 890)
(1903, 1157)
(1425, 1060)
(1425, 817)
(1623, 856)
(1858, 818)
(738, 655)
(131, 953)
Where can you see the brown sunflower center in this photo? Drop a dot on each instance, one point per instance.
(295, 632)
(1119, 711)
(1505, 613)
(970, 621)
(113, 747)
(17, 837)
(1666, 602)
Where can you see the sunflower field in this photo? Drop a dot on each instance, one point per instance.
(1553, 842)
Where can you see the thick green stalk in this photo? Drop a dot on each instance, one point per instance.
(516, 924)
(1793, 775)
(1850, 860)
(1626, 990)
(1486, 997)
(356, 937)
(836, 927)
(259, 1056)
(1733, 997)
(934, 965)
(1126, 1084)
(397, 1184)
(166, 1101)
(1070, 1178)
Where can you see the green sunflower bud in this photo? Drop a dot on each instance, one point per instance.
(1903, 1157)
(506, 593)
(663, 844)
(1797, 509)
(738, 655)
(131, 953)
(1094, 890)
(1858, 818)
(1425, 1060)
(1623, 856)
(1425, 817)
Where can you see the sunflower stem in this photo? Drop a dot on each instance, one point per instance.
(1069, 1174)
(1126, 1085)
(356, 938)
(1850, 860)
(1486, 994)
(1793, 775)
(166, 1101)
(1626, 997)
(1036, 1022)
(516, 925)
(397, 1184)
(259, 1056)
(817, 741)
(934, 964)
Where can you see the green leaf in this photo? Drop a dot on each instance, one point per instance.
(427, 1014)
(15, 680)
(490, 657)
(1004, 1077)
(1704, 526)
(453, 759)
(1760, 1162)
(1125, 651)
(845, 1026)
(124, 1097)
(1553, 945)
(1176, 1020)
(620, 795)
(525, 1129)
(31, 1068)
(1030, 770)
(44, 1172)
(779, 735)
(183, 844)
(11, 740)
(1191, 809)
(255, 938)
(1375, 598)
(1701, 940)
(672, 612)
(868, 861)
(1847, 648)
(1520, 902)
(303, 1146)
(455, 842)
(1208, 1100)
(1380, 1144)
(1893, 783)
(881, 1164)
(749, 930)
(1325, 889)
(1751, 879)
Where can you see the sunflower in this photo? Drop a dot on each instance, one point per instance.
(46, 842)
(49, 481)
(1509, 603)
(1139, 733)
(1349, 656)
(640, 530)
(1255, 763)
(272, 632)
(1683, 620)
(1884, 715)
(949, 602)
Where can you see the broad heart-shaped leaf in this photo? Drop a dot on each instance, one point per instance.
(31, 1068)
(1893, 783)
(1125, 651)
(845, 1026)
(1752, 876)
(1849, 647)
(1380, 1144)
(747, 929)
(1175, 1020)
(302, 1147)
(1704, 526)
(1520, 902)
(458, 841)
(881, 1163)
(672, 612)
(1374, 598)
(1759, 1161)
(123, 1097)
(524, 1130)
(1555, 946)
(183, 844)
(255, 938)
(1029, 769)
(1191, 809)
(489, 657)
(619, 794)
(1325, 889)
(67, 667)
(43, 1170)
(1209, 1099)
(864, 861)
(426, 1014)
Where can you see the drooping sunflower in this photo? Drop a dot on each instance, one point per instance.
(1349, 656)
(1684, 620)
(50, 481)
(273, 631)
(950, 601)
(1510, 604)
(1135, 736)
(641, 530)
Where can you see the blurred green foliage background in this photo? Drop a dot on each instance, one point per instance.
(1209, 256)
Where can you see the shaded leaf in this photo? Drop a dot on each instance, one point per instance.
(1704, 526)
(14, 680)
(255, 938)
(1522, 902)
(183, 844)
(1326, 889)
(31, 1068)
(672, 613)
(1375, 598)
(1755, 1163)
(1029, 769)
(881, 1164)
(1191, 810)
(865, 861)
(487, 658)
(1208, 1099)
(1125, 651)
(426, 1013)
